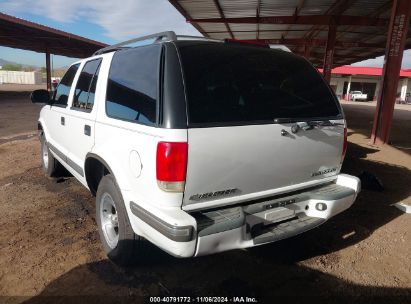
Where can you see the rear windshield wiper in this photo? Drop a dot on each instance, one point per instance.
(314, 123)
(309, 125)
(324, 123)
(285, 120)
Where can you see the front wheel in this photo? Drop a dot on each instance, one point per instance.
(118, 238)
(51, 166)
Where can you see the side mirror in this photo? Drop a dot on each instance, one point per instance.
(40, 96)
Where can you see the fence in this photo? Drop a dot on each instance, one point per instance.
(18, 77)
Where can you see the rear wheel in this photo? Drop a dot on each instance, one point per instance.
(118, 238)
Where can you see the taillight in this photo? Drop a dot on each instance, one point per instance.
(345, 144)
(171, 165)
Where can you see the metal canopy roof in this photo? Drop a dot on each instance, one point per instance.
(362, 25)
(22, 34)
(369, 71)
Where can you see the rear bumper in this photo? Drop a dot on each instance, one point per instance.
(259, 222)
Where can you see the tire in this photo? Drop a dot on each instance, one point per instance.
(51, 166)
(118, 238)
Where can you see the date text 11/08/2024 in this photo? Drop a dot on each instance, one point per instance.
(203, 300)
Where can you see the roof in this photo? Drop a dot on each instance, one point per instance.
(370, 71)
(23, 34)
(361, 32)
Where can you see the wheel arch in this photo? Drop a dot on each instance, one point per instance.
(95, 167)
(42, 128)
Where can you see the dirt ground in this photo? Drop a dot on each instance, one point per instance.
(49, 247)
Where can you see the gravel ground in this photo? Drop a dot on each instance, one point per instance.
(49, 245)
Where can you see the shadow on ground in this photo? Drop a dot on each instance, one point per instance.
(263, 272)
(360, 118)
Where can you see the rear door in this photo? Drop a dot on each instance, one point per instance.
(243, 105)
(81, 116)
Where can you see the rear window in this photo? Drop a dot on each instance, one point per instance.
(132, 87)
(231, 84)
(86, 86)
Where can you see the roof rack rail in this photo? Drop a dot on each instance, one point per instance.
(169, 35)
(198, 37)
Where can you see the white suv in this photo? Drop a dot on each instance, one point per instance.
(198, 146)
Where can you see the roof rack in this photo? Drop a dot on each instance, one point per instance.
(198, 37)
(169, 35)
(163, 36)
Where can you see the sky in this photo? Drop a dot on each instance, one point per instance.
(102, 20)
(107, 21)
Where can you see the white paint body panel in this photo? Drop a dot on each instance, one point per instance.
(258, 161)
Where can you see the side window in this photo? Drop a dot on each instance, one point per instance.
(63, 89)
(86, 85)
(132, 87)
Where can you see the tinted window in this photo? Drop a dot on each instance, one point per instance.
(86, 85)
(242, 84)
(132, 86)
(63, 89)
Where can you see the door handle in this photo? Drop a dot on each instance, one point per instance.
(87, 130)
(62, 121)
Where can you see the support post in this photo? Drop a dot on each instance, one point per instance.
(329, 51)
(397, 33)
(48, 71)
(347, 95)
(307, 51)
(404, 86)
(377, 90)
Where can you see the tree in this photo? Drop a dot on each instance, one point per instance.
(12, 67)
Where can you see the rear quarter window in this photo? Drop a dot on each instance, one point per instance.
(231, 84)
(133, 85)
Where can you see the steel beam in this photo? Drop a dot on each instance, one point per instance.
(296, 13)
(183, 12)
(307, 51)
(257, 15)
(220, 11)
(48, 71)
(375, 13)
(397, 33)
(336, 9)
(313, 42)
(315, 19)
(329, 52)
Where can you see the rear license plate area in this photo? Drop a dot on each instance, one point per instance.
(278, 215)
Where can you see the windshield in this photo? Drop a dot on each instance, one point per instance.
(235, 84)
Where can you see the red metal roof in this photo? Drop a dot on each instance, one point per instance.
(301, 25)
(370, 71)
(27, 35)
